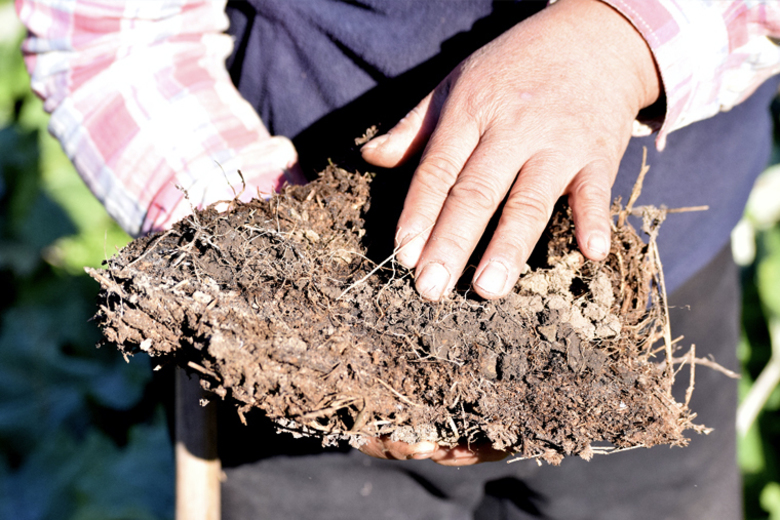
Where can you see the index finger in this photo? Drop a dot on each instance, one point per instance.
(448, 150)
(469, 205)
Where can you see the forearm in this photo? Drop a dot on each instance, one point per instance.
(142, 104)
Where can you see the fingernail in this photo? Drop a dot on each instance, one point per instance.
(425, 446)
(423, 450)
(433, 281)
(493, 278)
(422, 455)
(597, 243)
(375, 143)
(410, 250)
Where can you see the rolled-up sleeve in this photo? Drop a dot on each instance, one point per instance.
(142, 104)
(711, 55)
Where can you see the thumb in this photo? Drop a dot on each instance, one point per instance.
(407, 137)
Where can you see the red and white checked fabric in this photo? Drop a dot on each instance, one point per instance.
(143, 105)
(141, 101)
(711, 54)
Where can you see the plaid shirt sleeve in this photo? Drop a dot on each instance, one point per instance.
(142, 104)
(711, 54)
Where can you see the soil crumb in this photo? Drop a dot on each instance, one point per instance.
(271, 302)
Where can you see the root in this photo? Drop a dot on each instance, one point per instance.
(277, 306)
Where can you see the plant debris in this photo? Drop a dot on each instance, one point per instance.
(275, 305)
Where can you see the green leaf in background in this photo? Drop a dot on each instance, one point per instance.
(768, 272)
(43, 387)
(90, 478)
(139, 469)
(750, 449)
(82, 435)
(14, 84)
(770, 500)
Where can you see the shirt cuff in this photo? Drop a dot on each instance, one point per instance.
(710, 55)
(255, 171)
(142, 104)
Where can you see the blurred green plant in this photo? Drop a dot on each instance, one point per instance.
(82, 433)
(756, 243)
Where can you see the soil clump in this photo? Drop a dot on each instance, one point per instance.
(276, 306)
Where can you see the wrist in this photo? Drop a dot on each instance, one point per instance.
(621, 43)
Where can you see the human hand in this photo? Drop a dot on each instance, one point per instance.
(545, 109)
(461, 455)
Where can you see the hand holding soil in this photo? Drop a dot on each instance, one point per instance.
(276, 306)
(553, 98)
(461, 455)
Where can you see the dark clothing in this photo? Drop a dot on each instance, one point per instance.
(300, 60)
(321, 72)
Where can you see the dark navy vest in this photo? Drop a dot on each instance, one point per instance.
(322, 71)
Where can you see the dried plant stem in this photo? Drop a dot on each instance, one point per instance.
(688, 209)
(689, 391)
(636, 191)
(638, 211)
(709, 363)
(398, 395)
(203, 370)
(383, 262)
(659, 274)
(151, 247)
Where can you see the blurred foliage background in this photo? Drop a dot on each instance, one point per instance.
(82, 432)
(756, 246)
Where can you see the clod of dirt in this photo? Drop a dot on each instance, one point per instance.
(276, 306)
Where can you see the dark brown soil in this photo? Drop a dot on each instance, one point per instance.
(272, 303)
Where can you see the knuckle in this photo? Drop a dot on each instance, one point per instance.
(531, 204)
(439, 167)
(453, 244)
(516, 246)
(413, 117)
(480, 101)
(472, 102)
(594, 191)
(481, 105)
(478, 194)
(592, 197)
